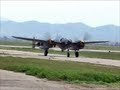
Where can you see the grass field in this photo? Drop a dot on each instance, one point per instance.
(15, 42)
(104, 55)
(72, 72)
(102, 47)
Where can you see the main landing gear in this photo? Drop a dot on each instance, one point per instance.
(45, 52)
(68, 53)
(76, 53)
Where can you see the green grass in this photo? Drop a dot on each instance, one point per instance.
(104, 55)
(15, 42)
(72, 72)
(102, 47)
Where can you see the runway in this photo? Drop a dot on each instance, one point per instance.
(25, 54)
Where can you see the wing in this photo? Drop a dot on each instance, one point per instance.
(90, 42)
(29, 39)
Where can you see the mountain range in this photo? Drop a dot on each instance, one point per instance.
(74, 31)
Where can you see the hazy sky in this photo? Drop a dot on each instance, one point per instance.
(93, 13)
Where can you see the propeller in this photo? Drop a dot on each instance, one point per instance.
(86, 36)
(47, 36)
(58, 38)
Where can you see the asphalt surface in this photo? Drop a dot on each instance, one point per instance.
(24, 54)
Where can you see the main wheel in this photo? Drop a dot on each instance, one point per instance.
(68, 54)
(76, 54)
(46, 52)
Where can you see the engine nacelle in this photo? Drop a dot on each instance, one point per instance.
(82, 44)
(52, 43)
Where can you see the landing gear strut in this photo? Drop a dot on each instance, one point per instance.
(76, 54)
(33, 42)
(46, 52)
(68, 53)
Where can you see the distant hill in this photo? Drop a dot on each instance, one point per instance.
(74, 31)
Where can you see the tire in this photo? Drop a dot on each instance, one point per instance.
(68, 54)
(76, 54)
(46, 52)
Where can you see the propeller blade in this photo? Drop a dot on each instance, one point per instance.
(86, 36)
(47, 36)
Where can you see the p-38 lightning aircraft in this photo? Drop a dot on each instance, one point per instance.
(63, 44)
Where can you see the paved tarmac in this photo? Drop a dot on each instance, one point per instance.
(25, 54)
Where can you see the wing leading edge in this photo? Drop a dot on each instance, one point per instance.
(29, 39)
(38, 40)
(90, 42)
